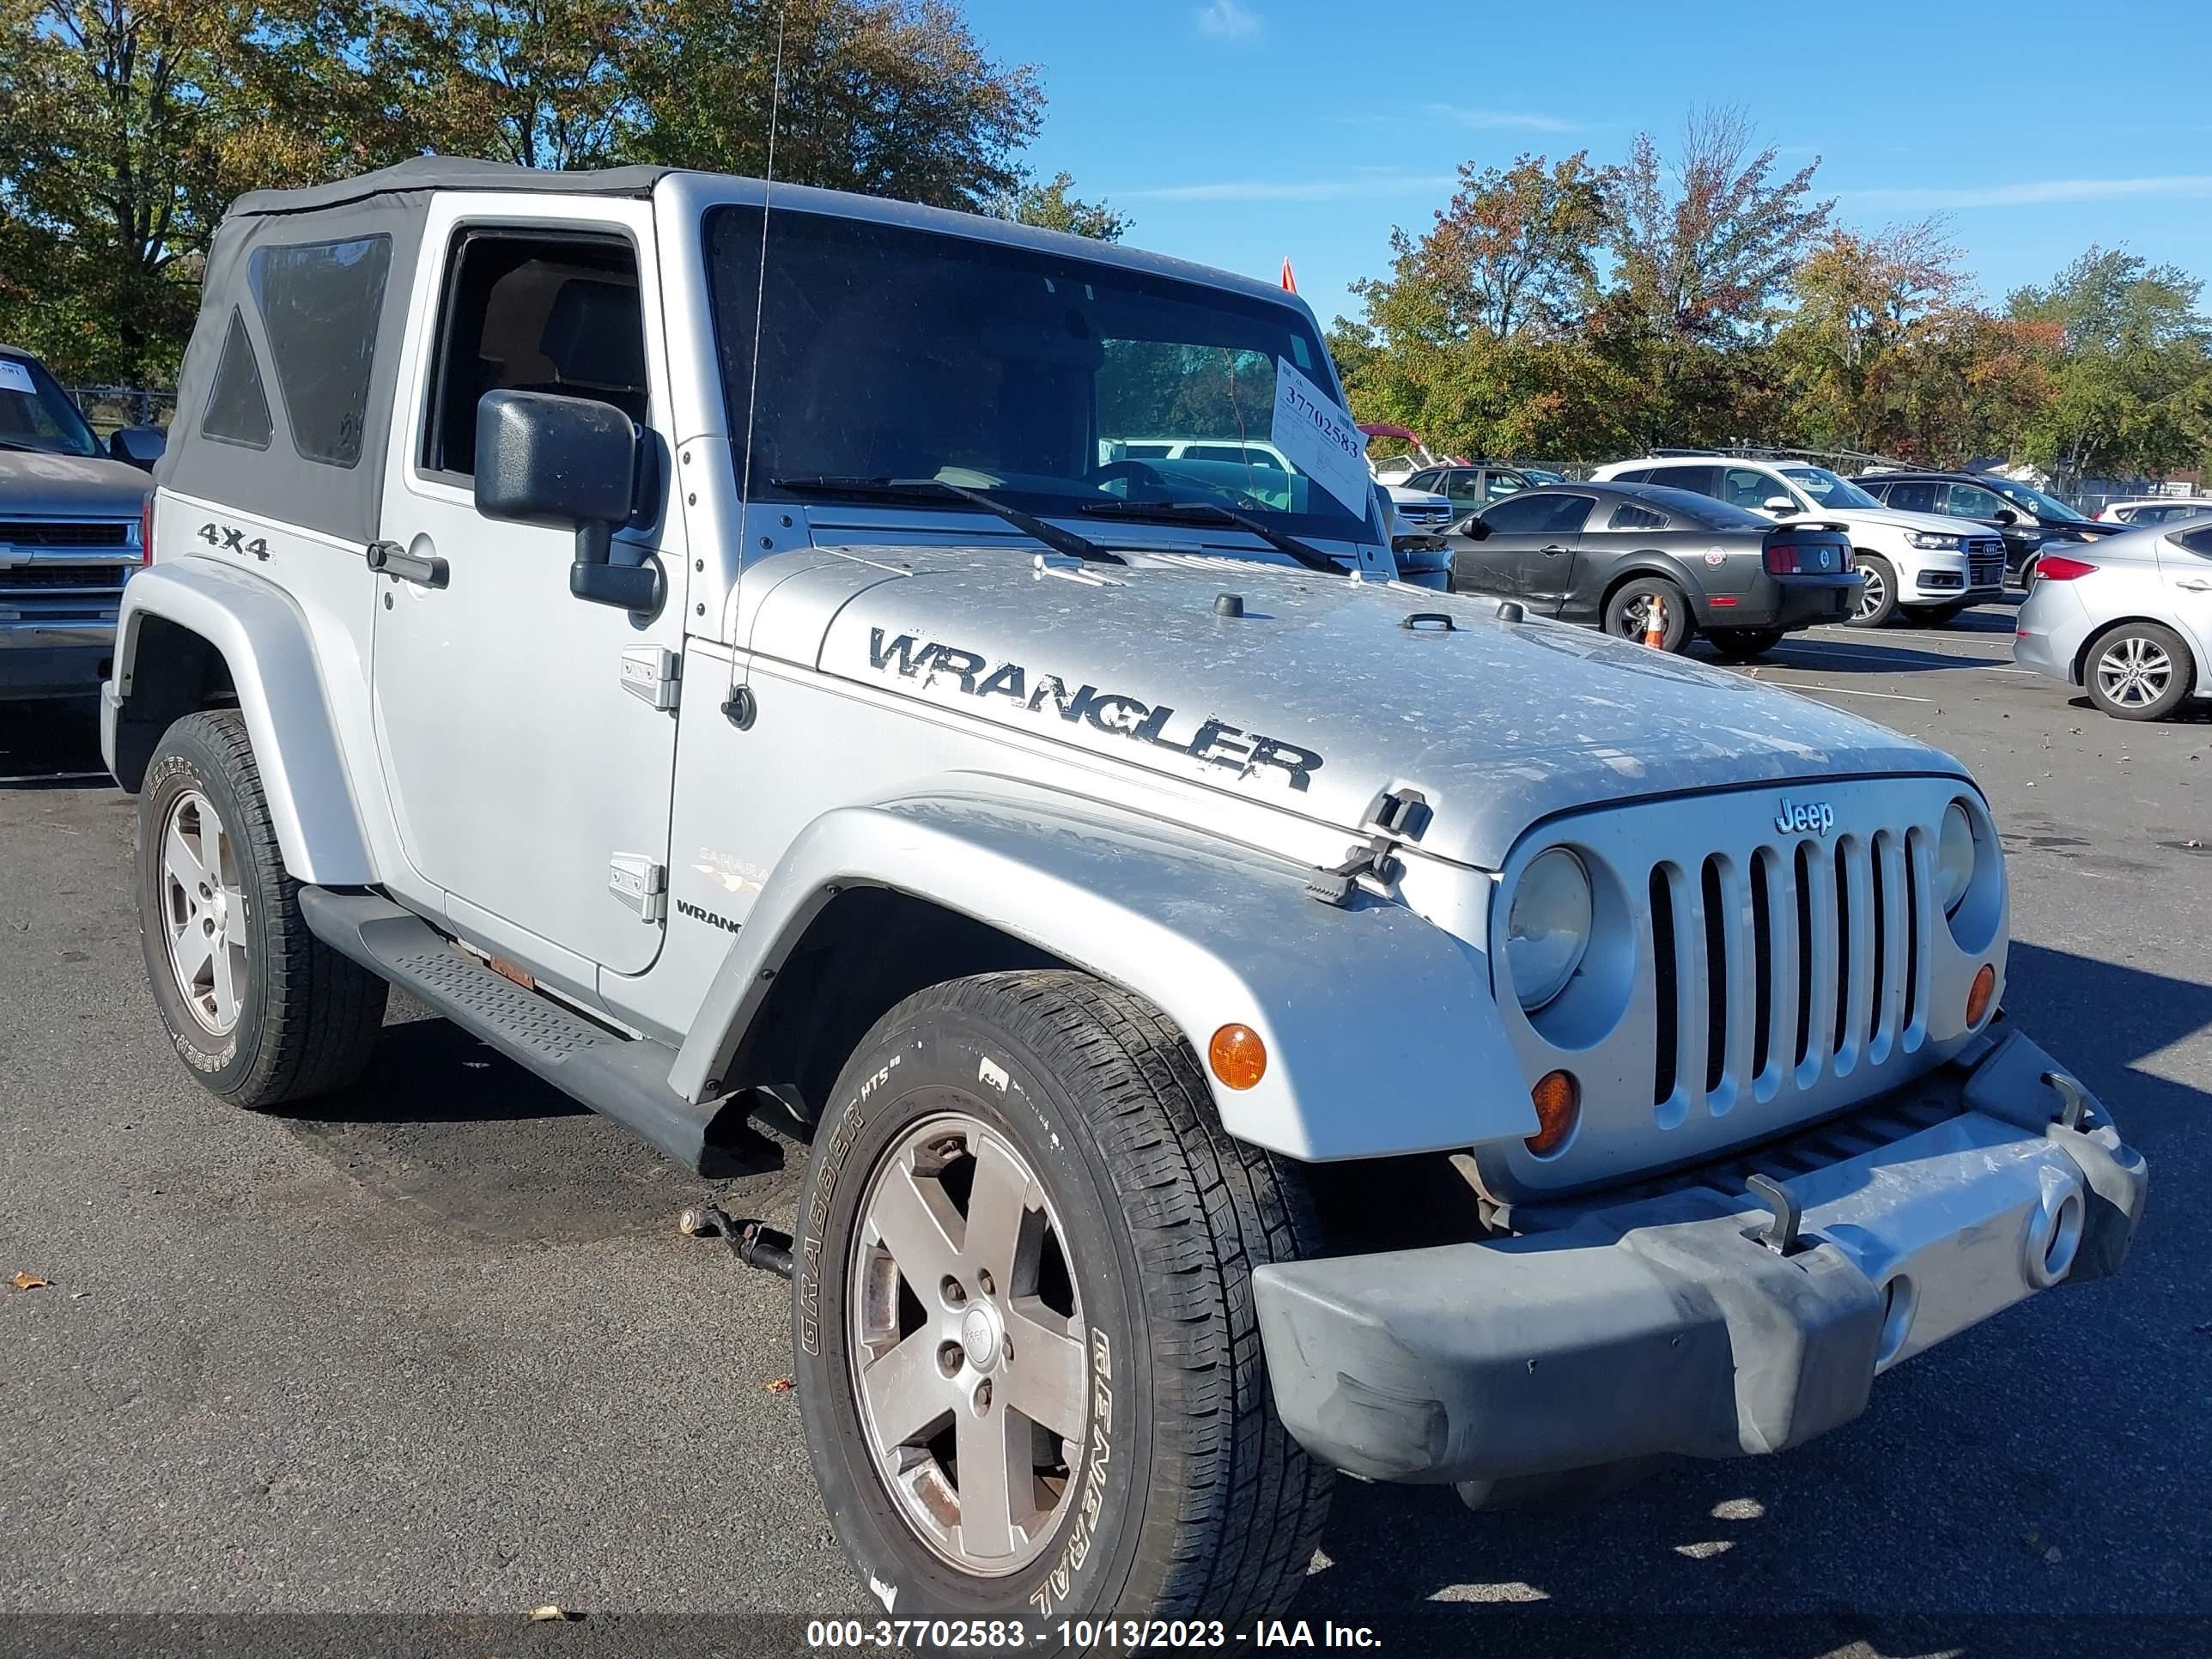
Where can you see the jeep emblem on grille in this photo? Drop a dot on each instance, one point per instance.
(1798, 816)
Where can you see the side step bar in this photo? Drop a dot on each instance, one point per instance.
(624, 1078)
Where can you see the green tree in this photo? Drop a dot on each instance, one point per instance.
(2132, 357)
(1053, 205)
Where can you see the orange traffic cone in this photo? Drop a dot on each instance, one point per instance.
(1654, 623)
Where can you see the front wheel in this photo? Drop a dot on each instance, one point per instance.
(1742, 644)
(2139, 672)
(1029, 1364)
(1877, 591)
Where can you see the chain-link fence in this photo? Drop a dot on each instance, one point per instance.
(108, 407)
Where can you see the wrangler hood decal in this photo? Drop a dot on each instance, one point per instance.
(1318, 697)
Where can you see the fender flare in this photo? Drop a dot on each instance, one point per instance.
(264, 640)
(1378, 1025)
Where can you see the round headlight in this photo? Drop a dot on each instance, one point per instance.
(1548, 928)
(1954, 856)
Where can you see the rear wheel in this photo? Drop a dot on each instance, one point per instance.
(1877, 591)
(1628, 612)
(2139, 672)
(1742, 644)
(1029, 1364)
(259, 1009)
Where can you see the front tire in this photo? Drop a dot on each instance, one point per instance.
(2139, 672)
(1030, 1368)
(258, 1009)
(1877, 592)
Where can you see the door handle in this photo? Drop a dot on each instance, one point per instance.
(393, 560)
(2196, 588)
(1551, 550)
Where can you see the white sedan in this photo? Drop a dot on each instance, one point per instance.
(2129, 619)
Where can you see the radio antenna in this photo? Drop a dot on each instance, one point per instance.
(760, 292)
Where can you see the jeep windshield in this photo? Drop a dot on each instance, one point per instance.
(1054, 382)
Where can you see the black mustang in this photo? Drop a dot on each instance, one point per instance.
(1602, 553)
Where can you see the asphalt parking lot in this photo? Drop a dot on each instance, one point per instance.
(436, 1346)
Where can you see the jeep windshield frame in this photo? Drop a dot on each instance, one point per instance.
(890, 351)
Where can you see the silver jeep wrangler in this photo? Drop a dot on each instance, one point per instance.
(1252, 1017)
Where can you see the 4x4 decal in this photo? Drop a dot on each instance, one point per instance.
(228, 538)
(1111, 712)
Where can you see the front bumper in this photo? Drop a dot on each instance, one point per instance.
(1614, 1330)
(44, 669)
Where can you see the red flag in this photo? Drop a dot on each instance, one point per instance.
(1290, 282)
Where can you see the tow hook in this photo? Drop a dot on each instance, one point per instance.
(755, 1243)
(1780, 1234)
(2073, 1100)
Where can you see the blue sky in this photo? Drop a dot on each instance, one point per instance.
(1235, 132)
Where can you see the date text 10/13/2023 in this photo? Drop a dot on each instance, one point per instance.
(1081, 1635)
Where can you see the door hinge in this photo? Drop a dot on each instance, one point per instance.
(652, 673)
(641, 883)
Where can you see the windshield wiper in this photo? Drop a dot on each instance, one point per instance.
(924, 490)
(1210, 513)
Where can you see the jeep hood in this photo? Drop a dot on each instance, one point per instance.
(36, 484)
(1322, 694)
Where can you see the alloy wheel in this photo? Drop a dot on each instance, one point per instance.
(968, 1350)
(2134, 673)
(1874, 592)
(204, 911)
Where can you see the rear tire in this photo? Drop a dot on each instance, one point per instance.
(1877, 592)
(258, 1009)
(1627, 612)
(1742, 644)
(2138, 671)
(1068, 1120)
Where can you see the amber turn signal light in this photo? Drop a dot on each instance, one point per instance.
(1558, 1101)
(1238, 1056)
(1979, 994)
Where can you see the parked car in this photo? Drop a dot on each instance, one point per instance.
(1078, 861)
(1605, 554)
(2128, 620)
(69, 534)
(1928, 567)
(1471, 489)
(2028, 519)
(2155, 509)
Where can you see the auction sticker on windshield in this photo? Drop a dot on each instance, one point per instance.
(14, 377)
(1319, 438)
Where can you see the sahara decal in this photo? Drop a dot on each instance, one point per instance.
(1213, 741)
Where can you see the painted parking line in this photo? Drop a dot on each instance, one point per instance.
(1840, 690)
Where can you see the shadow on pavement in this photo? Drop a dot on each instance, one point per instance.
(52, 746)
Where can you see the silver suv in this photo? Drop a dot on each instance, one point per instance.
(1252, 1017)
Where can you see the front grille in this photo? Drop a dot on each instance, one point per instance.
(36, 532)
(1986, 563)
(1802, 962)
(1426, 515)
(85, 578)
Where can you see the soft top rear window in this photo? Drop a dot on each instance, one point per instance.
(321, 303)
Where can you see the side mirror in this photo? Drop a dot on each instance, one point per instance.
(2006, 516)
(140, 446)
(1473, 529)
(1779, 504)
(570, 463)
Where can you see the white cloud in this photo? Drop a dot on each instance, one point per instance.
(1295, 189)
(1492, 120)
(1228, 19)
(2032, 192)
